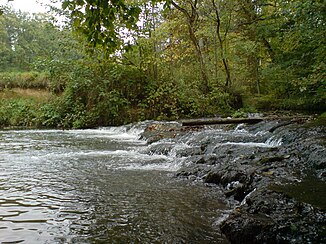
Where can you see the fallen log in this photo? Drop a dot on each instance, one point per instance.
(292, 121)
(212, 121)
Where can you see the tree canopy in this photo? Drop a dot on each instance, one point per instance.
(170, 59)
(101, 21)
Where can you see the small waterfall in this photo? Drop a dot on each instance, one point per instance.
(170, 154)
(244, 201)
(240, 129)
(274, 141)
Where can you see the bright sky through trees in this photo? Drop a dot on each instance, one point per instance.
(32, 6)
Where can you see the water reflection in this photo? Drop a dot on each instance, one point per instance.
(75, 186)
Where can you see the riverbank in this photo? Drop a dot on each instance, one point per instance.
(272, 175)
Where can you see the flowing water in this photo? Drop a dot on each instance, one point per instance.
(98, 186)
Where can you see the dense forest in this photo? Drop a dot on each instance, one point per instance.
(115, 62)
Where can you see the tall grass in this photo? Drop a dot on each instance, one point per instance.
(24, 80)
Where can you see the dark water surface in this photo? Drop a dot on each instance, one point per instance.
(98, 186)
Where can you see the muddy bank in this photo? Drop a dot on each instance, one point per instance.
(272, 174)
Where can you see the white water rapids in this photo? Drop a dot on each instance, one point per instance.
(105, 186)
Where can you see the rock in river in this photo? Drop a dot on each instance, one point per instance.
(265, 171)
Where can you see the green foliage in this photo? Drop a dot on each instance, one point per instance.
(50, 114)
(173, 100)
(18, 112)
(99, 21)
(319, 121)
(94, 93)
(272, 55)
(162, 101)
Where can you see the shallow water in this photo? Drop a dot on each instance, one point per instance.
(311, 190)
(98, 186)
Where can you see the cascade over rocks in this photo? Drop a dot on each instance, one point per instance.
(272, 174)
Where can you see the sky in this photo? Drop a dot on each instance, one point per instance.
(31, 6)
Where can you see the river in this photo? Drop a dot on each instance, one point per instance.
(99, 186)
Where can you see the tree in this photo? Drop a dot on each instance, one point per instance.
(300, 51)
(6, 52)
(190, 10)
(27, 39)
(222, 38)
(102, 21)
(256, 22)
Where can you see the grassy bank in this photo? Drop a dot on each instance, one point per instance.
(99, 99)
(24, 80)
(297, 104)
(22, 107)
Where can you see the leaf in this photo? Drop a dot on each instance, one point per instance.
(105, 4)
(65, 4)
(80, 2)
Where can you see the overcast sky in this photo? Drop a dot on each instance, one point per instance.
(32, 6)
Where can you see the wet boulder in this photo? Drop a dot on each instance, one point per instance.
(194, 172)
(187, 152)
(159, 148)
(246, 228)
(207, 159)
(236, 180)
(272, 217)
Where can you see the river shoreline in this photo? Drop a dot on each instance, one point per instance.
(272, 175)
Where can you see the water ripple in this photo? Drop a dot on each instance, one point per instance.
(97, 186)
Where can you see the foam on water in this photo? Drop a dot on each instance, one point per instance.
(121, 133)
(170, 166)
(123, 145)
(271, 142)
(240, 129)
(56, 183)
(274, 141)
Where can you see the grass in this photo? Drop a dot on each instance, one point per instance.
(24, 80)
(270, 102)
(320, 121)
(38, 95)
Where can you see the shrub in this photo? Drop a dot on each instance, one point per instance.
(19, 112)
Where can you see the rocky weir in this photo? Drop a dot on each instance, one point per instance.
(271, 174)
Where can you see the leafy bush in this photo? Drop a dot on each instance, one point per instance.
(19, 112)
(51, 114)
(162, 101)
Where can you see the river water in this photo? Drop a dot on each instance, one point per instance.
(99, 186)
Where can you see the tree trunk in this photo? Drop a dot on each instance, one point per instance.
(257, 76)
(200, 58)
(191, 21)
(221, 45)
(211, 121)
